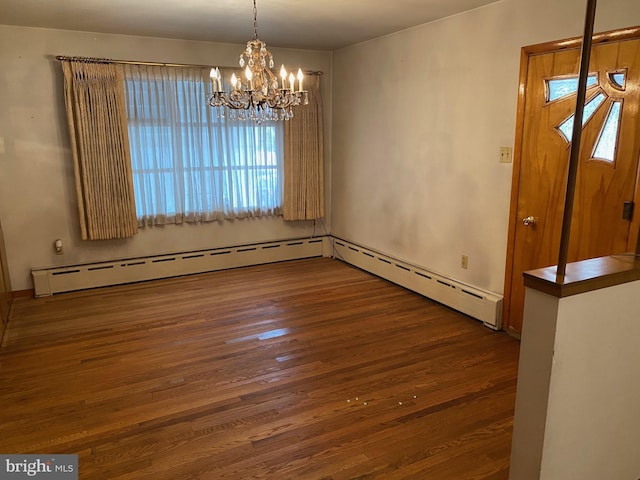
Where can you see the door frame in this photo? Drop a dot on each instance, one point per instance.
(5, 288)
(633, 244)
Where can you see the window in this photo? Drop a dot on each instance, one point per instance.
(188, 164)
(590, 107)
(605, 148)
(561, 87)
(618, 79)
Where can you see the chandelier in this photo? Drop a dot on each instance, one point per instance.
(258, 96)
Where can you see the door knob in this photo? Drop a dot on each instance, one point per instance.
(529, 221)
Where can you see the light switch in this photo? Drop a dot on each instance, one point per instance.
(506, 154)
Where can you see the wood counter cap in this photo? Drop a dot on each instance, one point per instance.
(585, 275)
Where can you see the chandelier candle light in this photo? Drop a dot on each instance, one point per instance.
(258, 96)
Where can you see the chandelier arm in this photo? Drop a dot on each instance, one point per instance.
(238, 99)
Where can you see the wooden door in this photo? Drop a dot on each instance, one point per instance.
(608, 166)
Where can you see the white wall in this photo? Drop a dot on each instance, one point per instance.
(578, 393)
(418, 120)
(37, 194)
(593, 416)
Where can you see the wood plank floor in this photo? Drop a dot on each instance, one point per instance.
(299, 370)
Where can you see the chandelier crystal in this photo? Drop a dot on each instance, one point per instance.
(258, 96)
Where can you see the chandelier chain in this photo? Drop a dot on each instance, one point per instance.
(255, 21)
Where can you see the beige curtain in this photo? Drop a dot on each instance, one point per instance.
(96, 113)
(303, 158)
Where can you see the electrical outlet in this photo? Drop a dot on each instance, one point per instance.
(464, 261)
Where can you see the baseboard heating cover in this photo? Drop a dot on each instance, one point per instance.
(480, 304)
(48, 281)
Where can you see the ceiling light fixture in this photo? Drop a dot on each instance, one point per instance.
(258, 96)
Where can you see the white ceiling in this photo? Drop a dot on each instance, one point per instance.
(307, 24)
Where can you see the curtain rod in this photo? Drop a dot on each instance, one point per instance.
(62, 58)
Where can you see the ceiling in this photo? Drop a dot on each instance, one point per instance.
(306, 24)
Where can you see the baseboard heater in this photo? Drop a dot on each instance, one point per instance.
(48, 281)
(482, 305)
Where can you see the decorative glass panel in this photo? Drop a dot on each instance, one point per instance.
(618, 79)
(590, 107)
(562, 87)
(606, 145)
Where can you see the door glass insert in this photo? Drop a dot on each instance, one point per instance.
(606, 145)
(562, 87)
(618, 79)
(566, 127)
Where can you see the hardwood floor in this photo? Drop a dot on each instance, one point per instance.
(300, 370)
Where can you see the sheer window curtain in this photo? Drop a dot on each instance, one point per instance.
(303, 160)
(94, 100)
(188, 164)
